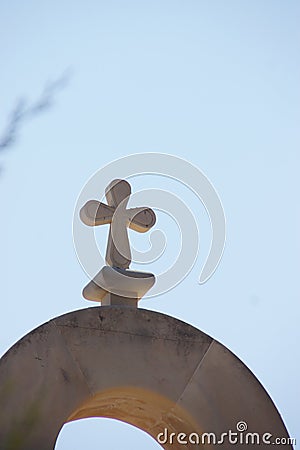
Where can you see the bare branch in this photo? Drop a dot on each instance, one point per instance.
(9, 135)
(24, 111)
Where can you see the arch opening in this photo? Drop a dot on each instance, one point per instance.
(141, 408)
(99, 432)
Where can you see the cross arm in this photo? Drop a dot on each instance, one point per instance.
(141, 219)
(95, 213)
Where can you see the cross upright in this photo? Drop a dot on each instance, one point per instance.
(116, 213)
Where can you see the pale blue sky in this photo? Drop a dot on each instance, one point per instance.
(214, 82)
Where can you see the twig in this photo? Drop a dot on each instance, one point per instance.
(24, 111)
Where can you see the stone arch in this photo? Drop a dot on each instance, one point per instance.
(142, 367)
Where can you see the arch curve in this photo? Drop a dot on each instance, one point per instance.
(142, 367)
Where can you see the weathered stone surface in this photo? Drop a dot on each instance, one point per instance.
(135, 365)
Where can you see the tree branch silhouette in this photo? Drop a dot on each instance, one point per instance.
(24, 111)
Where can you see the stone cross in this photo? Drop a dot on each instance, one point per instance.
(116, 214)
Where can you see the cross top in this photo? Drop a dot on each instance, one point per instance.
(116, 213)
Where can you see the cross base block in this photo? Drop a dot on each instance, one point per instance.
(115, 286)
